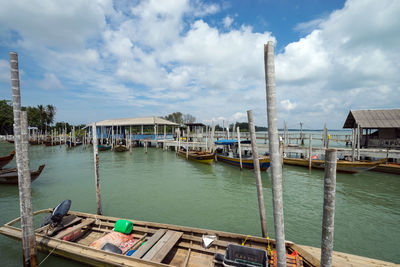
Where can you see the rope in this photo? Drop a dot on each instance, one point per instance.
(49, 254)
(245, 240)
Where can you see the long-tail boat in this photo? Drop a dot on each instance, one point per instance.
(388, 168)
(94, 239)
(55, 143)
(104, 147)
(6, 159)
(199, 156)
(230, 154)
(342, 165)
(10, 176)
(73, 143)
(34, 142)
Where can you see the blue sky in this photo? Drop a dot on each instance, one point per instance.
(104, 59)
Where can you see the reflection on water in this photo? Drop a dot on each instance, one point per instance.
(159, 186)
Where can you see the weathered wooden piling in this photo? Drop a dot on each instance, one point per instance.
(358, 141)
(187, 143)
(240, 148)
(310, 152)
(257, 173)
(96, 169)
(275, 157)
(328, 208)
(24, 177)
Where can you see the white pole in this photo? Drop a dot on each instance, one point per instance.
(276, 165)
(24, 177)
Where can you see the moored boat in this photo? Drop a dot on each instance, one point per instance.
(98, 240)
(388, 168)
(230, 154)
(54, 143)
(10, 176)
(120, 148)
(73, 143)
(104, 147)
(342, 165)
(199, 156)
(6, 159)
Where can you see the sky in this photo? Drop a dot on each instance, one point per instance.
(96, 60)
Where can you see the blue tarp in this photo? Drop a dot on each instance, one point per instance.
(230, 142)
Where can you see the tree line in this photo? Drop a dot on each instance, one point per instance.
(40, 116)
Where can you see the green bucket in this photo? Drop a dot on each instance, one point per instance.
(123, 226)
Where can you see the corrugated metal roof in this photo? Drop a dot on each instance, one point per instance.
(136, 121)
(373, 119)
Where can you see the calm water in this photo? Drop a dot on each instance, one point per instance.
(160, 187)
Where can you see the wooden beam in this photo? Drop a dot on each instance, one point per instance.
(163, 246)
(74, 229)
(143, 249)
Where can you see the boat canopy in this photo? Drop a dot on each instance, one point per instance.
(230, 142)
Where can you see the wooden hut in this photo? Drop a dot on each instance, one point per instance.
(377, 128)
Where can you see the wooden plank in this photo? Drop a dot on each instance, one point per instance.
(143, 249)
(74, 229)
(162, 248)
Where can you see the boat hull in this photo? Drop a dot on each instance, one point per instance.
(202, 157)
(12, 176)
(246, 163)
(342, 165)
(120, 148)
(5, 160)
(104, 147)
(388, 168)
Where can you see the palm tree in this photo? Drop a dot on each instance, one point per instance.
(50, 113)
(42, 112)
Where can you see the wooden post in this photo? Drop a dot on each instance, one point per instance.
(24, 177)
(96, 169)
(257, 173)
(353, 144)
(328, 208)
(285, 133)
(276, 165)
(301, 134)
(240, 147)
(358, 142)
(179, 141)
(310, 152)
(212, 136)
(130, 139)
(187, 143)
(112, 137)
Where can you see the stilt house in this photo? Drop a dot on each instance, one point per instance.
(375, 128)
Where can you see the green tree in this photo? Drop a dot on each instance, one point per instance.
(176, 117)
(6, 117)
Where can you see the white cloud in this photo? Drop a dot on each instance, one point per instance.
(50, 82)
(164, 55)
(287, 105)
(227, 21)
(351, 61)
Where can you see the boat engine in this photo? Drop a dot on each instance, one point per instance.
(55, 218)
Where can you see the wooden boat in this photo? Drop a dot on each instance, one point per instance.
(6, 159)
(55, 143)
(121, 148)
(104, 147)
(73, 143)
(167, 245)
(155, 244)
(230, 155)
(388, 168)
(34, 142)
(10, 176)
(11, 141)
(342, 165)
(199, 156)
